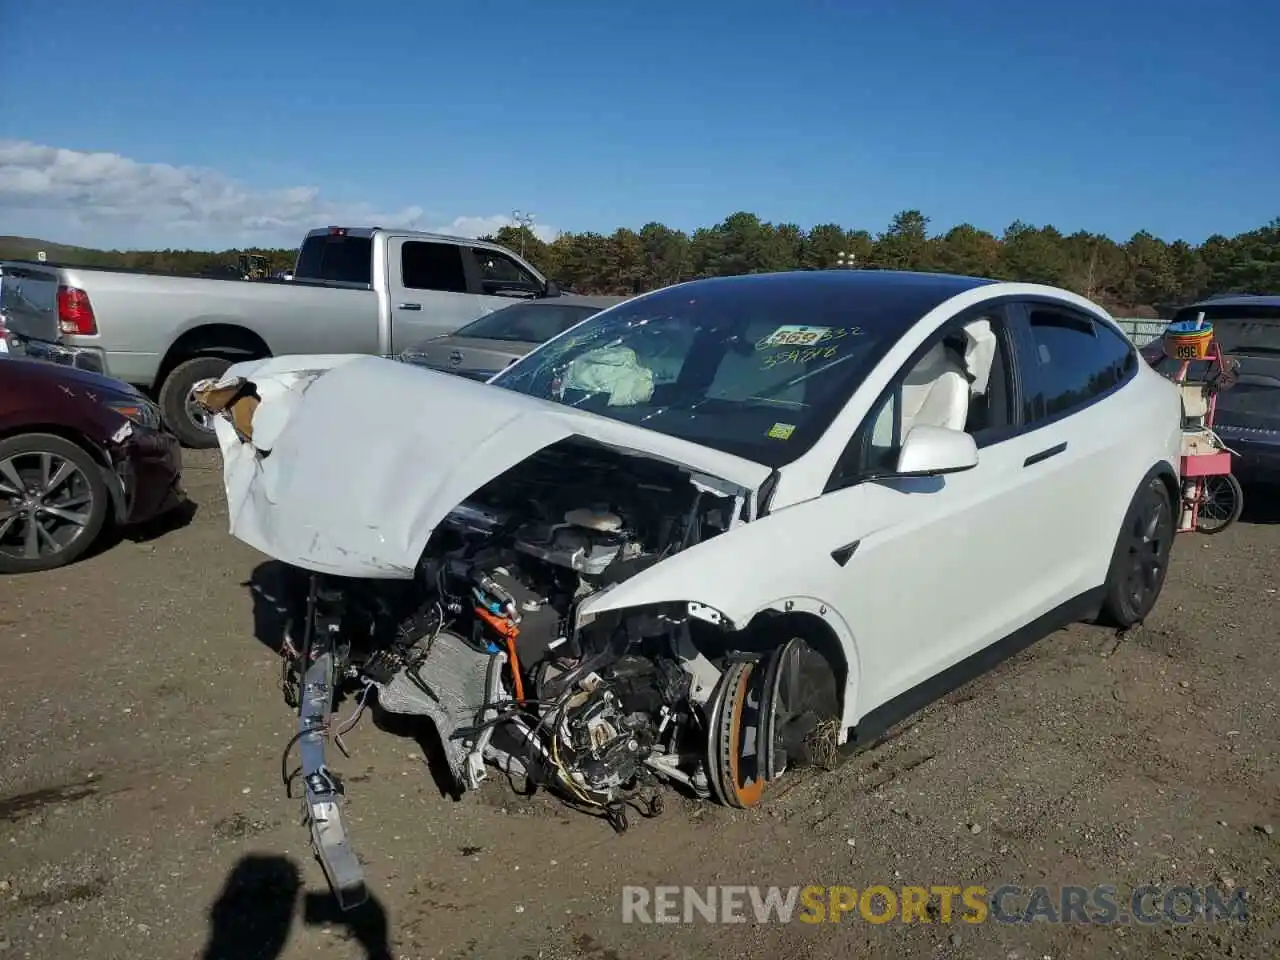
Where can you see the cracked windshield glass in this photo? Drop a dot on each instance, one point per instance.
(756, 369)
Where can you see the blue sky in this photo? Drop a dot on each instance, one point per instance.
(1110, 117)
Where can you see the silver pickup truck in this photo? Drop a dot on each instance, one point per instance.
(354, 290)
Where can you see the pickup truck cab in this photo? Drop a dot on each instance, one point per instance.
(353, 290)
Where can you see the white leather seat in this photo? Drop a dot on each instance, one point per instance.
(935, 393)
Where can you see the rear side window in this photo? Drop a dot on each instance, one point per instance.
(1075, 360)
(341, 259)
(432, 266)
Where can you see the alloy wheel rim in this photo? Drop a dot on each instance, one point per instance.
(46, 502)
(197, 414)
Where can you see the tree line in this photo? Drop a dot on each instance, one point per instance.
(1143, 275)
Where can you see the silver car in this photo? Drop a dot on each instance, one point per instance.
(498, 339)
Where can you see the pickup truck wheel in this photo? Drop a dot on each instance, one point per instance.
(189, 424)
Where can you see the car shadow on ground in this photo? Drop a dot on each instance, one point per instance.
(273, 585)
(422, 732)
(254, 913)
(1261, 504)
(174, 520)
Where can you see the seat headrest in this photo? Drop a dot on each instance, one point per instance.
(979, 353)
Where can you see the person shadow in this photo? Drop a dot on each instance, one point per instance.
(254, 913)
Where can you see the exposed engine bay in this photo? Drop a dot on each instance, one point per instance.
(486, 642)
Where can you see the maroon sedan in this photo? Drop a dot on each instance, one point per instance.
(77, 451)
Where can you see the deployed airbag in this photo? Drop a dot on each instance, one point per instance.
(612, 370)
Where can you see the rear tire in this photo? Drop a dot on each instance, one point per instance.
(174, 399)
(1140, 561)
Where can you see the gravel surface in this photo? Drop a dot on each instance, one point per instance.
(141, 812)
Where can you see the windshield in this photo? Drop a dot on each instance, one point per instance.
(527, 322)
(755, 366)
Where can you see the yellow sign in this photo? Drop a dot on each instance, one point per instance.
(782, 431)
(881, 904)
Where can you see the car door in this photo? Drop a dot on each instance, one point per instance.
(1077, 441)
(937, 568)
(429, 290)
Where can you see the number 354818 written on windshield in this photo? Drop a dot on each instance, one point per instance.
(799, 356)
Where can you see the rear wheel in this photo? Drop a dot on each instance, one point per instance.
(190, 424)
(53, 502)
(1140, 561)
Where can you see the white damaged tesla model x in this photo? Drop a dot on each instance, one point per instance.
(708, 535)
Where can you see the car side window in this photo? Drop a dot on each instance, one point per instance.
(960, 381)
(432, 266)
(499, 273)
(880, 449)
(1075, 359)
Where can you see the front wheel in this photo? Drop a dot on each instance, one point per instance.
(192, 425)
(53, 502)
(1140, 560)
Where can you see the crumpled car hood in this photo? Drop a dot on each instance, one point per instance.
(354, 460)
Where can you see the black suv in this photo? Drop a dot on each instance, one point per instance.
(1248, 414)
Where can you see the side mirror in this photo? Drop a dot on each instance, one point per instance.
(933, 451)
(552, 289)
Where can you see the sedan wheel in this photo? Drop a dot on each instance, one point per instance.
(53, 502)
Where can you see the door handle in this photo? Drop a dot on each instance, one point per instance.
(409, 306)
(1044, 455)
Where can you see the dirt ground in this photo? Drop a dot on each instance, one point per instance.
(142, 813)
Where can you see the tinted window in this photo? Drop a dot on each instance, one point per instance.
(527, 322)
(432, 266)
(499, 273)
(1075, 359)
(754, 365)
(341, 259)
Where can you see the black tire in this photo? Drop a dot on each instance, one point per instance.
(1140, 561)
(1226, 488)
(173, 400)
(83, 495)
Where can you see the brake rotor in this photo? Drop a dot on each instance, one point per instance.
(733, 759)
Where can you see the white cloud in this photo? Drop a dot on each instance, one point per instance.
(105, 199)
